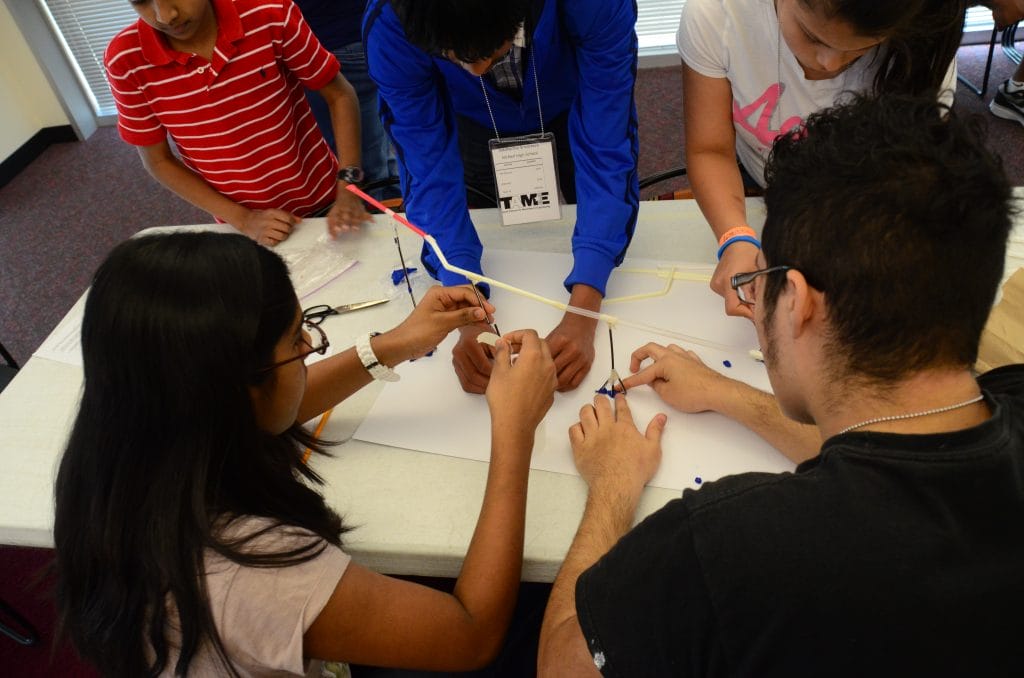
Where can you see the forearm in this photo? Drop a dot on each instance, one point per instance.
(488, 583)
(334, 379)
(759, 412)
(330, 381)
(711, 150)
(189, 186)
(718, 188)
(344, 108)
(607, 517)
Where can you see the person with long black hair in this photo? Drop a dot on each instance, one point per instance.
(189, 536)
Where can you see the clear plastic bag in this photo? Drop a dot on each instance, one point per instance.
(316, 265)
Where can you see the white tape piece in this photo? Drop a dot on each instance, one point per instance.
(489, 338)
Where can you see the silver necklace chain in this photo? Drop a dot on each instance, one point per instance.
(896, 417)
(536, 83)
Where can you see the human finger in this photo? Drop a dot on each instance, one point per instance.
(564, 353)
(655, 428)
(647, 375)
(588, 418)
(603, 409)
(470, 380)
(272, 235)
(572, 375)
(463, 295)
(622, 411)
(471, 377)
(284, 217)
(648, 350)
(735, 307)
(502, 357)
(575, 434)
(519, 340)
(478, 358)
(460, 317)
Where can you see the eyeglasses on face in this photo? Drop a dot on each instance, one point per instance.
(319, 345)
(745, 284)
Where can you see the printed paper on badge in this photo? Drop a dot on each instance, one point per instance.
(527, 181)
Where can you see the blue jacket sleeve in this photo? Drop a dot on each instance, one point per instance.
(418, 116)
(603, 136)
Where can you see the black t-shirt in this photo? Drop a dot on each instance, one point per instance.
(885, 555)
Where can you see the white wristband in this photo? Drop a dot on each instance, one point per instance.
(375, 367)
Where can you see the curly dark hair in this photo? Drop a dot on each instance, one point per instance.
(895, 209)
(470, 30)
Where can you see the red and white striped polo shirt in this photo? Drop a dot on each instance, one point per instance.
(240, 121)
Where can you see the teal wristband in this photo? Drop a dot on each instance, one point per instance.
(738, 238)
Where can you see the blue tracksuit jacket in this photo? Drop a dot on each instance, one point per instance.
(586, 54)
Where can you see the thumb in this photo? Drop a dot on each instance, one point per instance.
(502, 357)
(656, 428)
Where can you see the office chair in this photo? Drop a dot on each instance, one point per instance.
(1011, 52)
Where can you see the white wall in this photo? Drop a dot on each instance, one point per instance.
(27, 102)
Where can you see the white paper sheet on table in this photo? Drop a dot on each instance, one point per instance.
(65, 342)
(312, 269)
(428, 411)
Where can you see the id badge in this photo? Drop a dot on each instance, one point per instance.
(526, 175)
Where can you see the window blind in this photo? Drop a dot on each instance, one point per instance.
(978, 19)
(658, 20)
(656, 25)
(85, 28)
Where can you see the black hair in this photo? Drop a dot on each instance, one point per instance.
(921, 38)
(165, 452)
(470, 30)
(894, 208)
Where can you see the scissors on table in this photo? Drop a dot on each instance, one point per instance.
(317, 314)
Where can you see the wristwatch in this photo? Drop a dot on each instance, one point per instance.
(375, 367)
(351, 174)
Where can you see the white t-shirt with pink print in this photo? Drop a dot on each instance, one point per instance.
(740, 40)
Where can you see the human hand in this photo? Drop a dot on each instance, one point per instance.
(521, 391)
(441, 310)
(610, 452)
(268, 227)
(471, 359)
(739, 257)
(678, 376)
(1005, 14)
(346, 214)
(572, 347)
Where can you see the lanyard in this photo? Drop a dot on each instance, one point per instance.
(536, 83)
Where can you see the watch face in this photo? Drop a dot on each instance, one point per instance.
(352, 175)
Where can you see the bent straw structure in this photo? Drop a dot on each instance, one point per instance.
(477, 277)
